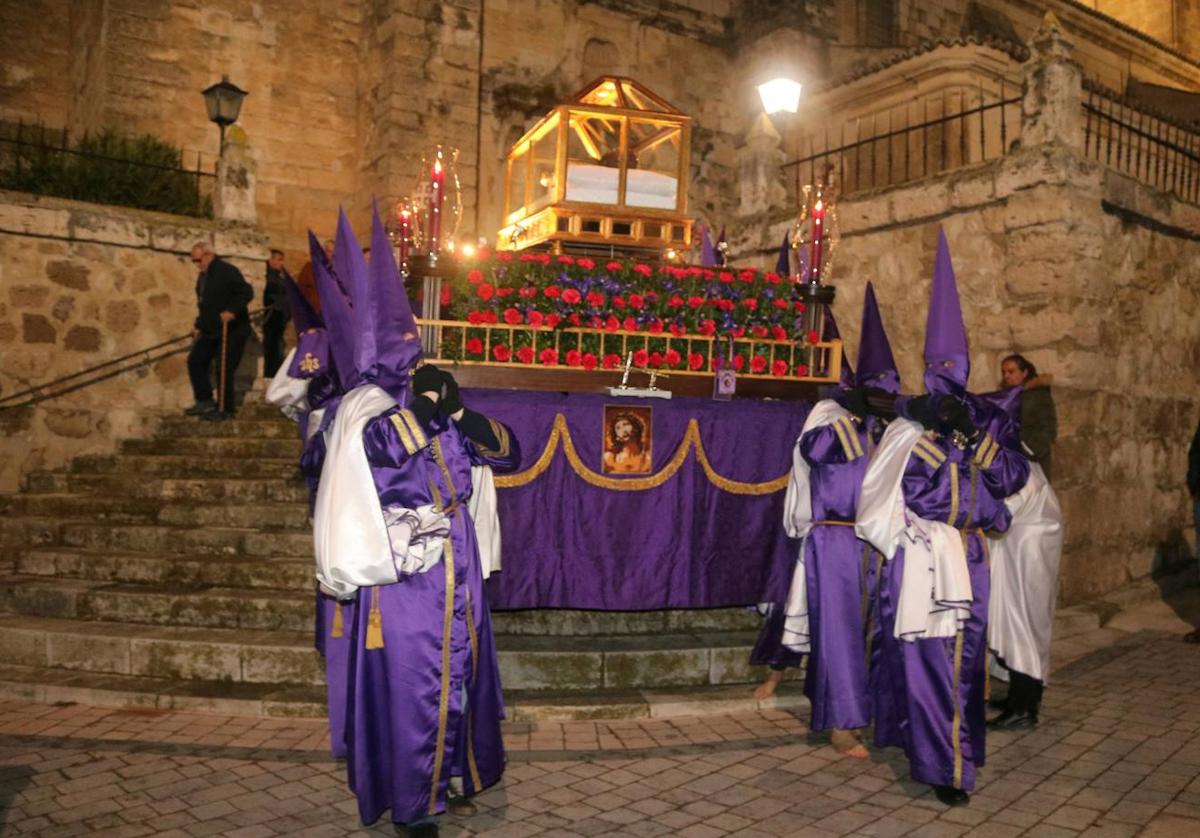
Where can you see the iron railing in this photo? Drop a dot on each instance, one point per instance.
(104, 168)
(958, 127)
(108, 369)
(1131, 138)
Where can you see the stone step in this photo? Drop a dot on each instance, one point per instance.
(183, 466)
(205, 541)
(241, 572)
(59, 686)
(277, 656)
(110, 507)
(216, 447)
(264, 516)
(174, 427)
(192, 489)
(553, 622)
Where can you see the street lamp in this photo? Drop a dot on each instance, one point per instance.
(224, 103)
(780, 94)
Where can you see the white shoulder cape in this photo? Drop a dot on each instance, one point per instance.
(484, 515)
(1025, 578)
(289, 394)
(935, 591)
(797, 521)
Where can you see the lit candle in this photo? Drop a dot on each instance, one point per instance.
(818, 217)
(437, 182)
(404, 216)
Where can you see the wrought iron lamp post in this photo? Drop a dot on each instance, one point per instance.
(224, 103)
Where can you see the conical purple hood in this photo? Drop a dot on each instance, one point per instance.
(304, 317)
(947, 361)
(783, 264)
(351, 268)
(876, 366)
(708, 254)
(338, 314)
(397, 341)
(830, 332)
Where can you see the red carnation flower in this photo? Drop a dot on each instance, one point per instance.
(672, 358)
(570, 295)
(656, 359)
(595, 299)
(707, 327)
(758, 363)
(549, 357)
(746, 276)
(750, 303)
(512, 316)
(675, 301)
(695, 361)
(574, 358)
(629, 324)
(759, 331)
(475, 346)
(585, 263)
(779, 368)
(552, 291)
(772, 277)
(535, 319)
(695, 302)
(504, 256)
(525, 355)
(490, 317)
(781, 304)
(575, 319)
(528, 291)
(529, 257)
(474, 317)
(612, 267)
(485, 291)
(544, 258)
(801, 370)
(612, 361)
(589, 361)
(636, 301)
(799, 306)
(779, 333)
(812, 336)
(640, 358)
(725, 305)
(612, 323)
(738, 362)
(474, 276)
(501, 353)
(552, 320)
(655, 326)
(618, 301)
(565, 260)
(676, 329)
(725, 276)
(644, 270)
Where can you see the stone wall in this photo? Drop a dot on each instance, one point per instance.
(84, 284)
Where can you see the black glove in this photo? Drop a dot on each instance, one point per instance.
(855, 401)
(427, 379)
(919, 410)
(450, 402)
(953, 415)
(881, 403)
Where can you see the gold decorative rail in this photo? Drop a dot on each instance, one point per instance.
(504, 345)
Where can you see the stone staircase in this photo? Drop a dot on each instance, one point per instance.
(177, 573)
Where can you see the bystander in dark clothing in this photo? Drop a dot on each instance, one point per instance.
(220, 290)
(1039, 420)
(277, 313)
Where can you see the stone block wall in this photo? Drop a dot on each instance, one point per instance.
(82, 284)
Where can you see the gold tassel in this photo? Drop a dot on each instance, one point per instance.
(375, 623)
(338, 624)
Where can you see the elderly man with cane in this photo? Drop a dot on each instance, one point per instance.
(220, 331)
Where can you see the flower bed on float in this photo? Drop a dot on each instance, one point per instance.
(536, 309)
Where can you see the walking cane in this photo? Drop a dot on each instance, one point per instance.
(224, 346)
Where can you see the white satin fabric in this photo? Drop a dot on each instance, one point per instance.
(797, 522)
(289, 394)
(1025, 564)
(935, 590)
(482, 507)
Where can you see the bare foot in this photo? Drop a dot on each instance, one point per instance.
(847, 743)
(767, 688)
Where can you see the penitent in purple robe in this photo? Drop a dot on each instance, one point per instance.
(426, 706)
(840, 574)
(929, 692)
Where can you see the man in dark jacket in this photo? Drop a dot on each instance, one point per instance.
(222, 295)
(1039, 420)
(278, 313)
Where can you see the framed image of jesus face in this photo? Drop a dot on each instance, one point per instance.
(627, 439)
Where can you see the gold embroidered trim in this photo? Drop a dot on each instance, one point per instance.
(405, 437)
(562, 434)
(501, 434)
(852, 433)
(925, 455)
(847, 448)
(953, 519)
(471, 763)
(985, 450)
(932, 449)
(956, 725)
(441, 461)
(418, 433)
(339, 627)
(992, 452)
(444, 699)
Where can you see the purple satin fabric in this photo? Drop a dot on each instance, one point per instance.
(913, 690)
(397, 693)
(312, 355)
(336, 651)
(684, 544)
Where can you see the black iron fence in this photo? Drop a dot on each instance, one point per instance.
(957, 127)
(106, 167)
(1150, 147)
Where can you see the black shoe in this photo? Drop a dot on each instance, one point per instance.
(460, 806)
(216, 416)
(1014, 720)
(1000, 703)
(201, 409)
(951, 796)
(428, 829)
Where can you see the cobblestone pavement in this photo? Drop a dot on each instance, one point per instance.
(1118, 751)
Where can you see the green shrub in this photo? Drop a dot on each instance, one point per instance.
(106, 168)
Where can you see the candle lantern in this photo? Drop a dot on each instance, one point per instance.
(812, 246)
(436, 214)
(403, 231)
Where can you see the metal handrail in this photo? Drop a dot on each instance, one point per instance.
(102, 372)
